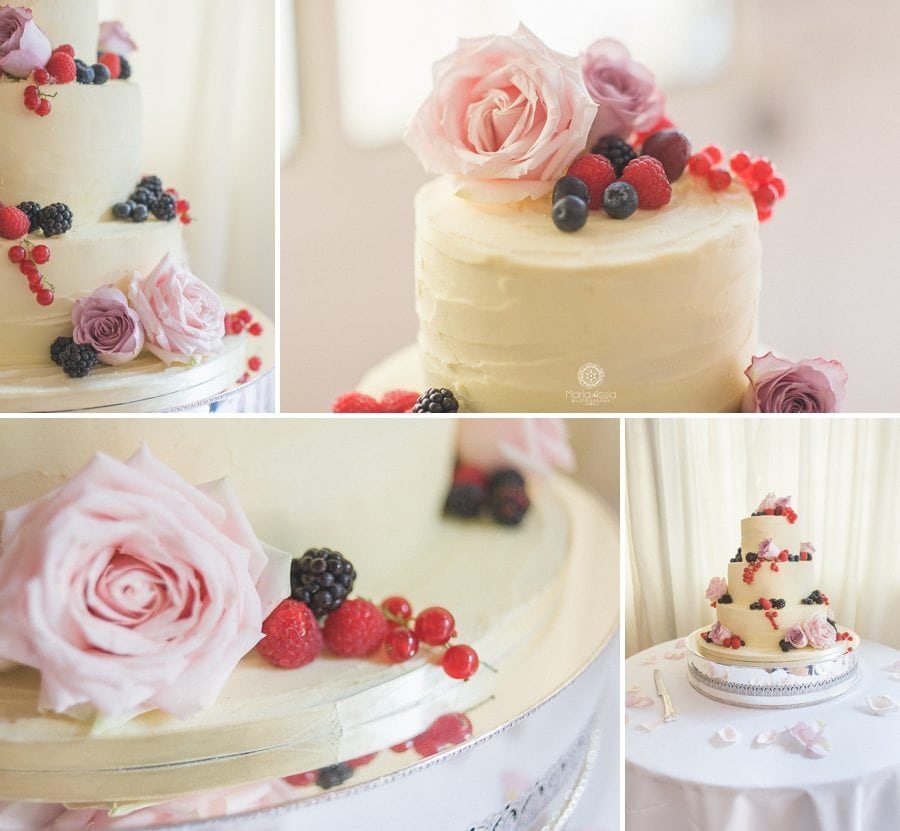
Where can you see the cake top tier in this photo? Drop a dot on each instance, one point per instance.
(76, 22)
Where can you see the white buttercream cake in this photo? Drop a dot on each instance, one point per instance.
(86, 153)
(374, 490)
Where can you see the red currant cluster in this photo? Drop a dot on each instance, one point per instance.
(734, 642)
(434, 626)
(182, 207)
(28, 257)
(757, 174)
(240, 321)
(36, 99)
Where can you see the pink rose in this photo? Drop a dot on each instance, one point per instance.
(796, 637)
(507, 114)
(716, 588)
(807, 548)
(820, 633)
(129, 589)
(105, 321)
(533, 444)
(183, 318)
(780, 386)
(23, 46)
(768, 504)
(768, 550)
(625, 91)
(114, 37)
(719, 633)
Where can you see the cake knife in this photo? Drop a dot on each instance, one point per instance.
(663, 692)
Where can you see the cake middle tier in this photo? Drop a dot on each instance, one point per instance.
(85, 154)
(655, 312)
(757, 630)
(791, 582)
(88, 256)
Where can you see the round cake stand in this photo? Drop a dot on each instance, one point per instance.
(543, 734)
(684, 775)
(221, 383)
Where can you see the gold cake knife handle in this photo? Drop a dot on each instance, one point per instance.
(670, 714)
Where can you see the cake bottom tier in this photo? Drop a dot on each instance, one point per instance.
(770, 680)
(143, 385)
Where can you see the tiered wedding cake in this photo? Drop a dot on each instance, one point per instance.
(133, 601)
(775, 641)
(71, 140)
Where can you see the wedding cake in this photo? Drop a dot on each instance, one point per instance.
(94, 251)
(775, 641)
(132, 603)
(576, 253)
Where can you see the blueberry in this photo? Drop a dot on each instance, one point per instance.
(101, 73)
(142, 196)
(570, 186)
(620, 200)
(122, 210)
(139, 213)
(570, 213)
(84, 74)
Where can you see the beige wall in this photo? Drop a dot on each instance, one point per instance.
(813, 84)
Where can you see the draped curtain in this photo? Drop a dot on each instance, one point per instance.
(689, 482)
(207, 72)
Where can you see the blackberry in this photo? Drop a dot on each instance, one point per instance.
(139, 213)
(785, 646)
(436, 401)
(334, 775)
(77, 360)
(142, 196)
(164, 208)
(56, 219)
(33, 211)
(322, 579)
(617, 150)
(84, 74)
(509, 504)
(755, 606)
(751, 557)
(506, 476)
(725, 598)
(57, 347)
(153, 184)
(777, 603)
(465, 500)
(125, 71)
(101, 73)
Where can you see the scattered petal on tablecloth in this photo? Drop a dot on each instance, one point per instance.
(894, 676)
(812, 737)
(894, 667)
(679, 644)
(767, 736)
(651, 659)
(649, 726)
(881, 704)
(674, 656)
(635, 698)
(728, 734)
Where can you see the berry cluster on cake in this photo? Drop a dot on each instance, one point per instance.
(770, 614)
(97, 280)
(155, 645)
(576, 253)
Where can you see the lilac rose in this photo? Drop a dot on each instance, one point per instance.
(114, 38)
(781, 386)
(719, 633)
(624, 90)
(796, 637)
(768, 550)
(820, 633)
(23, 46)
(716, 588)
(807, 548)
(105, 321)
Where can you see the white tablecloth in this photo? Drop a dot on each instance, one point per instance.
(682, 776)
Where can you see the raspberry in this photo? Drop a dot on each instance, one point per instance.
(597, 172)
(355, 630)
(14, 223)
(647, 176)
(356, 402)
(113, 63)
(67, 48)
(292, 637)
(398, 401)
(61, 67)
(469, 475)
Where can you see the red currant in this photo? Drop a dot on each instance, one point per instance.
(400, 644)
(255, 329)
(460, 661)
(452, 728)
(435, 626)
(35, 282)
(740, 162)
(43, 107)
(254, 363)
(765, 196)
(235, 325)
(45, 297)
(27, 267)
(718, 179)
(17, 254)
(244, 315)
(699, 165)
(40, 254)
(301, 780)
(397, 608)
(778, 183)
(761, 171)
(713, 153)
(32, 98)
(41, 76)
(182, 206)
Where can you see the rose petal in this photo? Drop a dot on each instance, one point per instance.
(728, 734)
(881, 704)
(767, 736)
(674, 656)
(635, 699)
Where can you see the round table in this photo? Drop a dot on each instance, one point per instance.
(724, 767)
